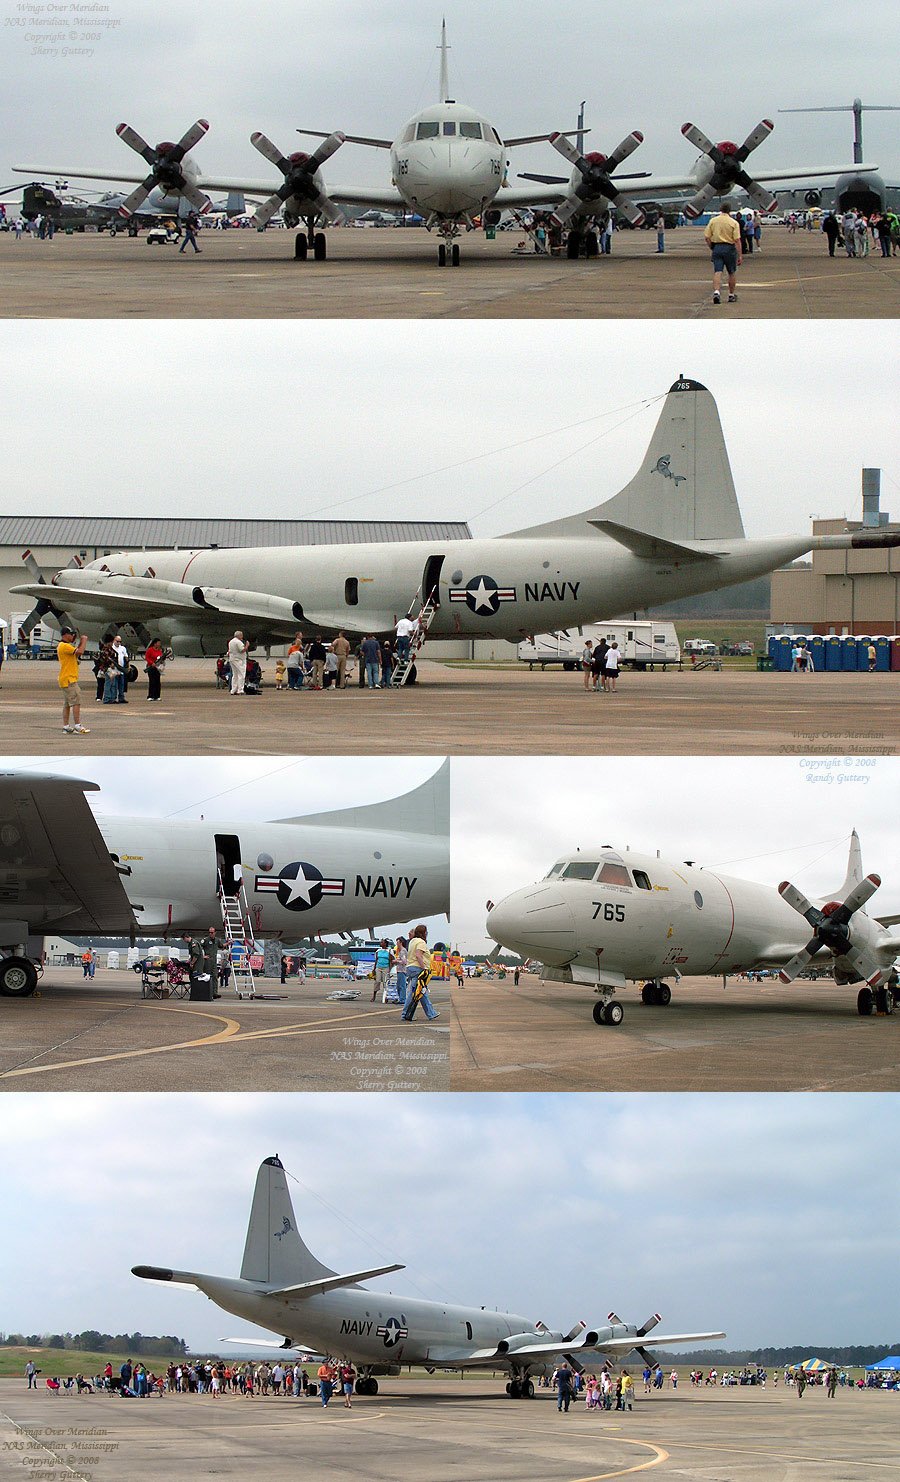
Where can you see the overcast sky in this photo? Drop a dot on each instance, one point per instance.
(756, 818)
(773, 1218)
(367, 67)
(437, 421)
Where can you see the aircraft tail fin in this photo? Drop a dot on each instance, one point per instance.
(683, 490)
(425, 810)
(274, 1252)
(854, 867)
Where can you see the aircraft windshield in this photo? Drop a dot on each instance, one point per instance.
(470, 130)
(555, 870)
(581, 869)
(614, 874)
(449, 128)
(428, 130)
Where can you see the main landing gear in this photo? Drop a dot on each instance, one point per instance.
(18, 977)
(587, 243)
(366, 1385)
(876, 1001)
(656, 993)
(520, 1389)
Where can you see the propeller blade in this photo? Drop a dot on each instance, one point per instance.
(264, 213)
(697, 204)
(628, 145)
(187, 141)
(271, 152)
(330, 210)
(648, 1325)
(797, 900)
(326, 149)
(629, 210)
(799, 961)
(565, 147)
(758, 193)
(132, 138)
(198, 200)
(566, 210)
(755, 138)
(864, 964)
(859, 895)
(699, 140)
(32, 567)
(138, 197)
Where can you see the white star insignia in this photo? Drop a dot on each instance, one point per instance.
(483, 595)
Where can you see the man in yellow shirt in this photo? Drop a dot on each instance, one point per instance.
(68, 654)
(723, 234)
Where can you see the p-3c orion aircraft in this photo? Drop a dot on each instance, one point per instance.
(673, 531)
(64, 871)
(604, 918)
(448, 165)
(283, 1288)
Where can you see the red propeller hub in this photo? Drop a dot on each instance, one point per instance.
(727, 147)
(830, 909)
(299, 158)
(594, 158)
(165, 147)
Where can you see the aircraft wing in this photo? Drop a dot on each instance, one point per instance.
(55, 869)
(560, 1348)
(384, 196)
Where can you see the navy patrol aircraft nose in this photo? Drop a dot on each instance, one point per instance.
(536, 921)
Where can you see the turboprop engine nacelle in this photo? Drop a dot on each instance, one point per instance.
(247, 604)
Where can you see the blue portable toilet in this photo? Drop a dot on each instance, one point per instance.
(782, 654)
(882, 652)
(848, 652)
(833, 659)
(816, 645)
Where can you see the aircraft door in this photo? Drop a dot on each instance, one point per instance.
(228, 862)
(431, 580)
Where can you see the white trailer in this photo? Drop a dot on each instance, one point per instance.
(643, 644)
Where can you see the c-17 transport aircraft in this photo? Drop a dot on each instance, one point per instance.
(62, 870)
(604, 917)
(449, 166)
(673, 531)
(283, 1288)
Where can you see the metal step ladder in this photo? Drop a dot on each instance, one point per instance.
(238, 931)
(401, 670)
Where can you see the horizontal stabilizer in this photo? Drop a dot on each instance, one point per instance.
(652, 547)
(330, 1283)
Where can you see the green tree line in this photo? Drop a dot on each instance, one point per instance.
(92, 1341)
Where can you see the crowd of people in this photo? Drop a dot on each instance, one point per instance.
(855, 232)
(600, 666)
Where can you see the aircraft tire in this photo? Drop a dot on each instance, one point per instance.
(372, 1387)
(18, 977)
(865, 1001)
(527, 1389)
(454, 255)
(599, 1013)
(614, 1013)
(301, 247)
(320, 247)
(648, 993)
(442, 255)
(663, 994)
(591, 245)
(884, 1000)
(514, 1389)
(573, 245)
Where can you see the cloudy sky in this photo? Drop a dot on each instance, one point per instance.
(756, 818)
(367, 67)
(737, 1213)
(435, 421)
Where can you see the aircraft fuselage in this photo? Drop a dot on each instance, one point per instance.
(448, 163)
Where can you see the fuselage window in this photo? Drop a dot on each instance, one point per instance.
(428, 130)
(698, 900)
(642, 881)
(614, 874)
(556, 869)
(449, 128)
(351, 591)
(470, 130)
(580, 869)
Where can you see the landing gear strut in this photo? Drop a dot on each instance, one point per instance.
(656, 993)
(520, 1389)
(608, 1010)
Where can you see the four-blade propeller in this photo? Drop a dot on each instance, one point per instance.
(299, 171)
(831, 929)
(727, 162)
(595, 184)
(166, 171)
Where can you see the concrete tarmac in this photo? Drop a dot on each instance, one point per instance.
(435, 1429)
(102, 1036)
(767, 1036)
(390, 273)
(495, 710)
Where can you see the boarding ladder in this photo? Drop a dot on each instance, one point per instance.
(238, 933)
(401, 670)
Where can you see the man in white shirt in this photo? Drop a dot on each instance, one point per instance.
(405, 629)
(237, 658)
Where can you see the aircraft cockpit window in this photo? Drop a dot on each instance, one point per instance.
(555, 870)
(428, 130)
(642, 881)
(449, 128)
(580, 869)
(496, 137)
(409, 133)
(614, 874)
(470, 130)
